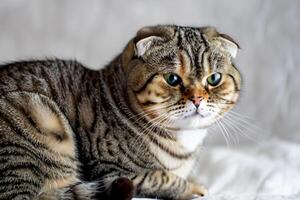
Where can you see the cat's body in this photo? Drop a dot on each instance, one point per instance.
(61, 123)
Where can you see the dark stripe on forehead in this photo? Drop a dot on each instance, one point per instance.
(199, 56)
(185, 45)
(190, 54)
(194, 44)
(198, 46)
(204, 40)
(197, 64)
(179, 38)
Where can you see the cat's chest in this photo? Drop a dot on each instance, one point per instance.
(173, 154)
(190, 139)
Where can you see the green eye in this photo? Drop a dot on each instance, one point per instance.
(172, 79)
(214, 79)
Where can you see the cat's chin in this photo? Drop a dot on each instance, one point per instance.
(193, 122)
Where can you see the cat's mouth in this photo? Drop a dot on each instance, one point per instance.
(198, 112)
(190, 115)
(192, 120)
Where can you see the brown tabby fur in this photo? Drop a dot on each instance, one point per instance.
(67, 132)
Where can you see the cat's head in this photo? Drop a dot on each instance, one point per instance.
(182, 77)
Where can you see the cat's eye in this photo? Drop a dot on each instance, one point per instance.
(172, 79)
(214, 79)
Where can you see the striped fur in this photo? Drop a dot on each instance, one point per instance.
(61, 123)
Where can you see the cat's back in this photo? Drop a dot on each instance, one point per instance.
(38, 76)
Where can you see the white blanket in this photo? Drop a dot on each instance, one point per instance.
(268, 171)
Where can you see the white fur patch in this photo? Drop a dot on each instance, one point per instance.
(191, 139)
(187, 143)
(165, 158)
(184, 170)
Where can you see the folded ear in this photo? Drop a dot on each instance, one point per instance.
(228, 44)
(144, 44)
(149, 36)
(140, 72)
(221, 41)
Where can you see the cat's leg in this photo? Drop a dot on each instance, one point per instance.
(161, 184)
(164, 184)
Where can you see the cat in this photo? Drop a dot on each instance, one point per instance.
(68, 132)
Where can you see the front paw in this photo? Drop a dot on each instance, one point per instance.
(193, 191)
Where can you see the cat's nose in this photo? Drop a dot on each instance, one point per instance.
(196, 100)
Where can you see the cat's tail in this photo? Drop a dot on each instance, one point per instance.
(120, 189)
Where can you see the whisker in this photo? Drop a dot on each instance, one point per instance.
(231, 130)
(221, 128)
(242, 128)
(243, 121)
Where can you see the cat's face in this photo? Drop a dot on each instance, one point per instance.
(183, 78)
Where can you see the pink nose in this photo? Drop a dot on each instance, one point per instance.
(196, 101)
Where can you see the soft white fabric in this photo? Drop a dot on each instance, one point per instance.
(268, 31)
(253, 172)
(271, 168)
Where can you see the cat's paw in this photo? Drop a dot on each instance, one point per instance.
(194, 191)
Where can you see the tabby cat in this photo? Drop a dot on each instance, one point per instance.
(67, 132)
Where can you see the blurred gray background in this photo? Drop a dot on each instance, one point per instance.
(94, 31)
